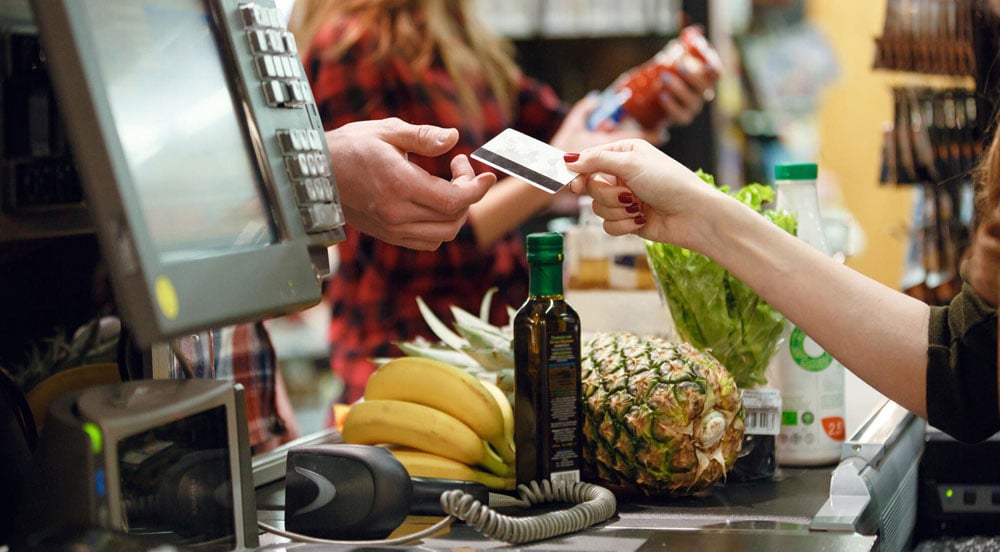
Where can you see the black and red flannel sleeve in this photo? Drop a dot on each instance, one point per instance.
(540, 110)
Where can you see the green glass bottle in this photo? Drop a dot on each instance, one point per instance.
(547, 389)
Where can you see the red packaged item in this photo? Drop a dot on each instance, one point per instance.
(636, 92)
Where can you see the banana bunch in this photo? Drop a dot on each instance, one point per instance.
(474, 345)
(424, 464)
(422, 405)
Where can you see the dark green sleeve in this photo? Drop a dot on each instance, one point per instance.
(962, 368)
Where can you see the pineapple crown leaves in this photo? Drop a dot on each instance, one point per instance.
(59, 352)
(440, 329)
(484, 338)
(488, 346)
(426, 349)
(478, 347)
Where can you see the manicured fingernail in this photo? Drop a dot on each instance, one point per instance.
(626, 198)
(570, 157)
(634, 208)
(640, 220)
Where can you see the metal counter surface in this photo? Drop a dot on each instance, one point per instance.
(765, 515)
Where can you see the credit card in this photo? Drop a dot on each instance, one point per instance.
(527, 158)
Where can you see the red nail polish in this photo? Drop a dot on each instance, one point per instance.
(640, 220)
(634, 208)
(570, 157)
(626, 198)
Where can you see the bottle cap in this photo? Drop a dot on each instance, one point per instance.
(795, 171)
(545, 246)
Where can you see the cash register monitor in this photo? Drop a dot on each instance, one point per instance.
(201, 154)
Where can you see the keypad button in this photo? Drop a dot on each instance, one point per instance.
(315, 139)
(296, 94)
(297, 166)
(250, 15)
(321, 217)
(322, 165)
(294, 67)
(275, 42)
(290, 45)
(258, 42)
(265, 67)
(274, 93)
(274, 18)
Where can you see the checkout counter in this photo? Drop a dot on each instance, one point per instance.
(867, 502)
(894, 487)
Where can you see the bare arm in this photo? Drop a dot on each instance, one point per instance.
(877, 332)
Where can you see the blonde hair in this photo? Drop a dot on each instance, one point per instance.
(418, 31)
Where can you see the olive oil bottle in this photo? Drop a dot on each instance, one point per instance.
(547, 391)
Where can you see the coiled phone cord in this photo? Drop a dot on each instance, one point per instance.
(591, 504)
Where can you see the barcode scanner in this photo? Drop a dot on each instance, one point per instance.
(358, 492)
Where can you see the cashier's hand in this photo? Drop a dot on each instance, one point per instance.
(386, 196)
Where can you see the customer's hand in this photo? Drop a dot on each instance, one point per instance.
(573, 134)
(684, 93)
(637, 189)
(386, 196)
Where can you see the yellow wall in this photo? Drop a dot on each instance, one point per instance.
(852, 112)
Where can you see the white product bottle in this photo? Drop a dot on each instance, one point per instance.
(810, 380)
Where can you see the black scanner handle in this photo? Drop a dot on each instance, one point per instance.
(427, 492)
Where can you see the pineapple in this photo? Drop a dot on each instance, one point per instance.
(660, 417)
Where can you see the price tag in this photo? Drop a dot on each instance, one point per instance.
(762, 411)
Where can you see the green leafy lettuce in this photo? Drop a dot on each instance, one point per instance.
(714, 310)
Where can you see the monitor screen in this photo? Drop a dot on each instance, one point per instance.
(176, 480)
(201, 155)
(192, 204)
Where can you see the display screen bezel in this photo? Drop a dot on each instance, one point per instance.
(162, 299)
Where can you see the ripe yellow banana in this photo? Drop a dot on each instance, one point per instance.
(384, 421)
(424, 464)
(446, 388)
(507, 410)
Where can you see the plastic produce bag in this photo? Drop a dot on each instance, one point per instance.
(712, 309)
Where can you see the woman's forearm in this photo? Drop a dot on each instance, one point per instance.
(877, 332)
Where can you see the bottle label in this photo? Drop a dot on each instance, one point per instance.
(798, 346)
(563, 403)
(812, 397)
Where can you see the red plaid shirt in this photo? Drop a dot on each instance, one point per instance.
(373, 293)
(242, 354)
